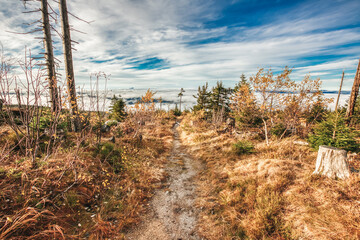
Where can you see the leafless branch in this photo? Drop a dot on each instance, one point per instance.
(75, 30)
(32, 11)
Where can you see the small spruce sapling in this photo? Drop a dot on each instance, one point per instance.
(117, 109)
(345, 137)
(177, 111)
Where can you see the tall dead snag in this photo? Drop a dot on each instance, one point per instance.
(337, 104)
(180, 96)
(49, 56)
(354, 94)
(338, 97)
(69, 65)
(331, 162)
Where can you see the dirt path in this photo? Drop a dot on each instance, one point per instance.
(172, 214)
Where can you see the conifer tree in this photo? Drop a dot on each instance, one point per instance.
(243, 105)
(117, 108)
(219, 98)
(243, 81)
(202, 98)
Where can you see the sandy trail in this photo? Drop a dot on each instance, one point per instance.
(172, 214)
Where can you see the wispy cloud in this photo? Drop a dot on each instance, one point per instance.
(164, 43)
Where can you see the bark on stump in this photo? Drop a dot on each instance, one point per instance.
(331, 162)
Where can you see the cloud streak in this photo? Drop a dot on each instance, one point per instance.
(171, 44)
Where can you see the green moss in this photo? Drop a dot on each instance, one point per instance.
(243, 147)
(71, 198)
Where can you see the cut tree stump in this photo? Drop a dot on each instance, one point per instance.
(331, 162)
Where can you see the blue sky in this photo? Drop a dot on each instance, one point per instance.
(173, 44)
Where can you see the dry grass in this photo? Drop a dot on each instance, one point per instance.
(269, 194)
(78, 195)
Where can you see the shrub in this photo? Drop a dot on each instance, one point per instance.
(177, 111)
(113, 155)
(111, 123)
(46, 121)
(317, 113)
(278, 130)
(323, 134)
(243, 147)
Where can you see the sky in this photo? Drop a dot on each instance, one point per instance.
(168, 44)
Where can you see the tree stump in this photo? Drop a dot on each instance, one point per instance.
(331, 162)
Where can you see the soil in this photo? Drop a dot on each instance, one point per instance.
(172, 213)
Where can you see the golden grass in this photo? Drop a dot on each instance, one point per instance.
(269, 194)
(74, 194)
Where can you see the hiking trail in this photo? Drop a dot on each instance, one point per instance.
(172, 214)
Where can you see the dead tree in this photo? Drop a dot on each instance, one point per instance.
(45, 27)
(331, 162)
(337, 104)
(180, 95)
(66, 39)
(338, 97)
(49, 56)
(353, 95)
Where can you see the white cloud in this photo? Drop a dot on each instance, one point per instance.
(127, 30)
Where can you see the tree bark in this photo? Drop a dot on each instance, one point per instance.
(331, 162)
(49, 56)
(354, 93)
(69, 65)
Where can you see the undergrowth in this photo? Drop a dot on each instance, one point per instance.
(86, 189)
(270, 193)
(242, 147)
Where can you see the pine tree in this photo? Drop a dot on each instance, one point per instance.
(219, 98)
(202, 99)
(243, 106)
(243, 82)
(117, 109)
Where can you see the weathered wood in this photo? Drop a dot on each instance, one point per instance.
(354, 94)
(331, 162)
(301, 143)
(338, 97)
(180, 95)
(49, 56)
(69, 65)
(337, 103)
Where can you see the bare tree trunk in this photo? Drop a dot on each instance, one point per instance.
(338, 97)
(49, 56)
(69, 65)
(331, 162)
(354, 93)
(266, 132)
(337, 103)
